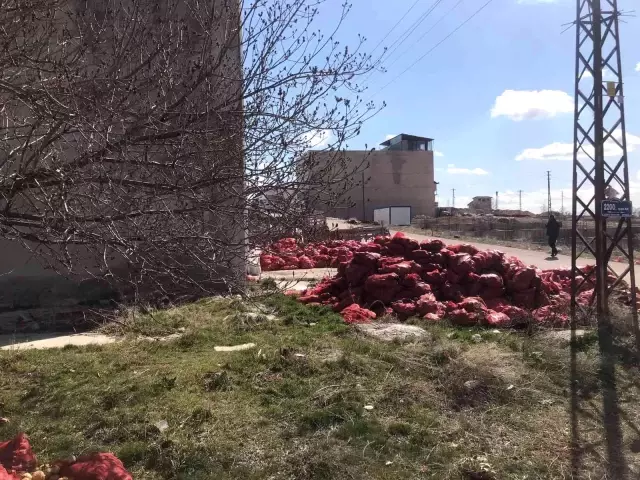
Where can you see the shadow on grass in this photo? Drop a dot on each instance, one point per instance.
(617, 375)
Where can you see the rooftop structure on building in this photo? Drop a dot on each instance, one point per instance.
(408, 142)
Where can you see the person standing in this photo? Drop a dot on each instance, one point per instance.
(553, 232)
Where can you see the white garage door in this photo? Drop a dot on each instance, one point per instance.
(382, 216)
(400, 216)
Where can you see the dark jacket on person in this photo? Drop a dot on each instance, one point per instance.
(553, 227)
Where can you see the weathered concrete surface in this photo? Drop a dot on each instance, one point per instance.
(44, 341)
(300, 275)
(562, 337)
(389, 332)
(235, 348)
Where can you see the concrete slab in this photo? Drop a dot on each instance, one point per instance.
(235, 348)
(44, 341)
(287, 285)
(300, 275)
(389, 332)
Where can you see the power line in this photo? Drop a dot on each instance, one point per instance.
(404, 35)
(396, 58)
(394, 27)
(434, 47)
(407, 33)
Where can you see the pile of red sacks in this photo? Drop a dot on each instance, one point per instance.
(17, 461)
(286, 254)
(400, 276)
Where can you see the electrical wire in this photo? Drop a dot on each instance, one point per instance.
(473, 15)
(394, 27)
(411, 28)
(403, 36)
(425, 33)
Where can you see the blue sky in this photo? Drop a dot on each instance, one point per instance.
(497, 96)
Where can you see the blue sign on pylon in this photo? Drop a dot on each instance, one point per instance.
(616, 208)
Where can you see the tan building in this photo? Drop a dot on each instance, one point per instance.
(480, 204)
(401, 174)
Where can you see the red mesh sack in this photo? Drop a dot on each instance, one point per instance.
(432, 245)
(421, 256)
(463, 248)
(462, 264)
(357, 274)
(96, 466)
(497, 319)
(405, 308)
(491, 280)
(370, 247)
(368, 259)
(525, 299)
(463, 318)
(491, 294)
(401, 269)
(306, 262)
(435, 277)
(427, 303)
(4, 475)
(354, 313)
(452, 292)
(472, 305)
(548, 315)
(522, 279)
(271, 262)
(386, 280)
(16, 454)
(322, 261)
(585, 298)
(516, 315)
(496, 304)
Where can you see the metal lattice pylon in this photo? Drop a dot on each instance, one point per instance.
(600, 158)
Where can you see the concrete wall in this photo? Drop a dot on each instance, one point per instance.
(25, 282)
(392, 178)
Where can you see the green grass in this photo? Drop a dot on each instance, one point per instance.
(294, 406)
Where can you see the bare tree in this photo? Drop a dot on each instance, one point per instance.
(133, 132)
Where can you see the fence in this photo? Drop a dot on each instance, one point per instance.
(530, 231)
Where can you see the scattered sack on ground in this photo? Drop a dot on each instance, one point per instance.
(96, 466)
(17, 461)
(16, 455)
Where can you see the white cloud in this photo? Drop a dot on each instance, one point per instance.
(528, 104)
(564, 151)
(606, 74)
(317, 138)
(453, 170)
(638, 67)
(390, 136)
(436, 153)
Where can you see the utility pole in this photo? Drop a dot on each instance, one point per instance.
(453, 205)
(549, 192)
(599, 114)
(364, 210)
(497, 200)
(597, 49)
(520, 201)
